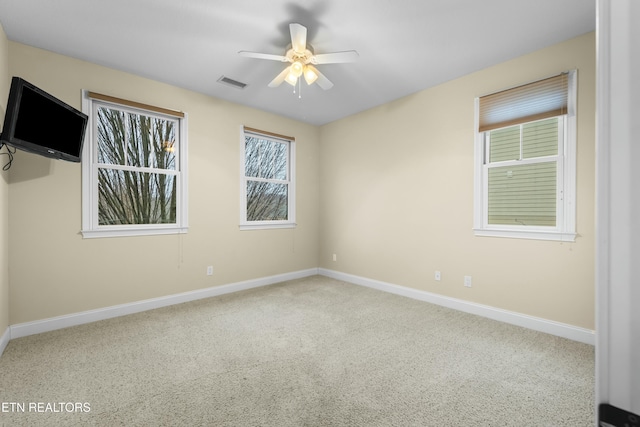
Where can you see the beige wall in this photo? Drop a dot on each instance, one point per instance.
(390, 191)
(5, 80)
(397, 197)
(54, 271)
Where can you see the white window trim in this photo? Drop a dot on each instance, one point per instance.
(565, 231)
(90, 227)
(291, 163)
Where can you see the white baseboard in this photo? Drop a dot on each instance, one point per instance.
(538, 324)
(53, 323)
(563, 330)
(4, 340)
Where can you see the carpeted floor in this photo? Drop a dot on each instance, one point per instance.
(309, 352)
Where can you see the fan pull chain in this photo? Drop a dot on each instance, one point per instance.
(299, 88)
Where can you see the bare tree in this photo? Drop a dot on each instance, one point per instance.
(267, 174)
(136, 179)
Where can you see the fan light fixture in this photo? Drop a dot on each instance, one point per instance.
(168, 146)
(291, 79)
(301, 57)
(310, 74)
(296, 70)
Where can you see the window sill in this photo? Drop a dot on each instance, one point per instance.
(264, 226)
(528, 234)
(150, 231)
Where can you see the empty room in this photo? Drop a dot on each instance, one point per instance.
(283, 213)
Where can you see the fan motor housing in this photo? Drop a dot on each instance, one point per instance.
(305, 57)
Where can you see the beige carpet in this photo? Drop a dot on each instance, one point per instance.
(309, 352)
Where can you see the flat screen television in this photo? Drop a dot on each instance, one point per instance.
(40, 123)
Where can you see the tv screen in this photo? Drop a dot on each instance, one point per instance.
(40, 123)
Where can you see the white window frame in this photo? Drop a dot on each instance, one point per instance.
(565, 229)
(290, 181)
(90, 225)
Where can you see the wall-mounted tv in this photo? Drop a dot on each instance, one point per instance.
(40, 123)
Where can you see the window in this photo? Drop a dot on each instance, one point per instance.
(525, 161)
(133, 169)
(268, 180)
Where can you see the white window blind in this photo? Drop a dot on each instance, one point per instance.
(533, 101)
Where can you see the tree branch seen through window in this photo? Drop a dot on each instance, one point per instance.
(267, 179)
(136, 160)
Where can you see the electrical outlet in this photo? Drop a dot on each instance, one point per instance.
(437, 276)
(467, 281)
(335, 257)
(210, 270)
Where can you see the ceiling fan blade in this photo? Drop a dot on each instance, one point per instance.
(322, 81)
(298, 37)
(263, 56)
(279, 78)
(335, 57)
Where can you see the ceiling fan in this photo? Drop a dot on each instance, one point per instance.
(302, 59)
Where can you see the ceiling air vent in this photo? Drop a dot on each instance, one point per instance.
(230, 82)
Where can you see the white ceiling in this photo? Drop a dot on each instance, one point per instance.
(404, 45)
